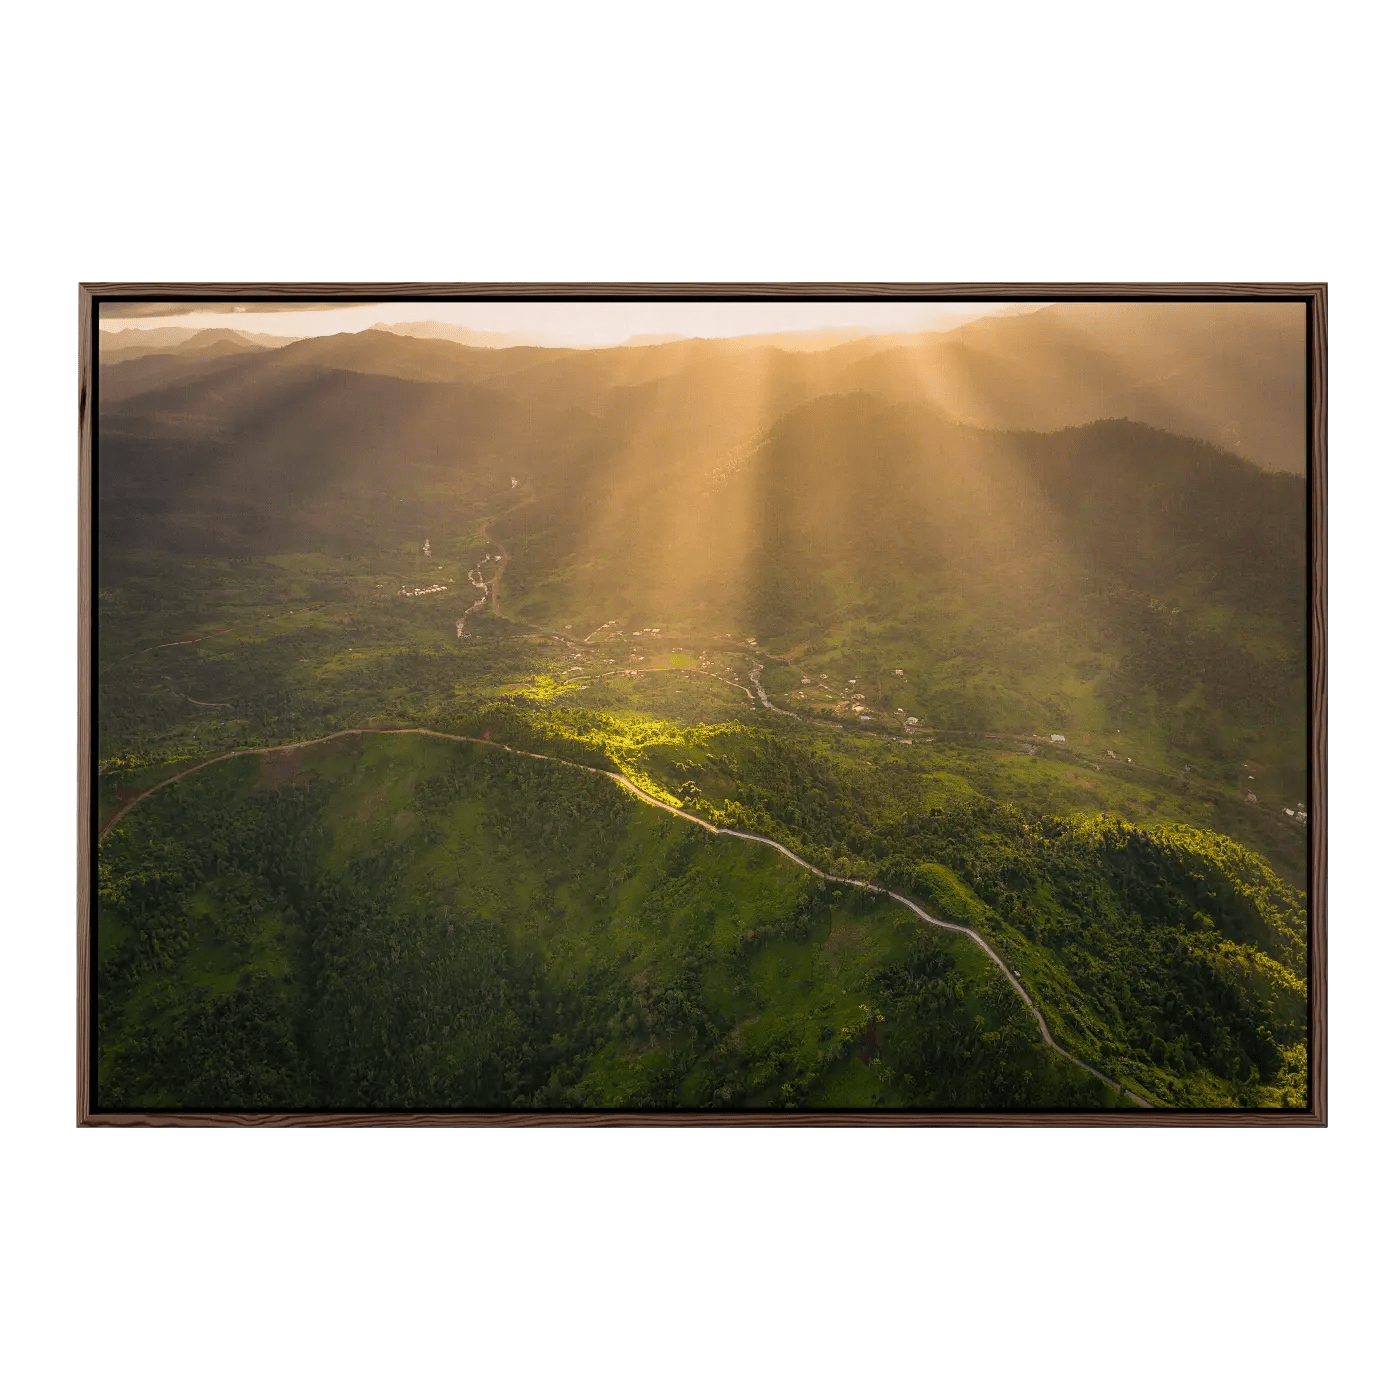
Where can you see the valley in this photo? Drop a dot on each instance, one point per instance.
(1034, 688)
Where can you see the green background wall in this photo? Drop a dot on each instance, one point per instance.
(700, 143)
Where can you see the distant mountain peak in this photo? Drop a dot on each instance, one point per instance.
(461, 335)
(136, 341)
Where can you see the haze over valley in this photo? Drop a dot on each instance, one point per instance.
(994, 632)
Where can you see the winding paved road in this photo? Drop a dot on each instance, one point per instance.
(675, 812)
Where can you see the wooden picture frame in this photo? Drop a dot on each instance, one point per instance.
(1313, 298)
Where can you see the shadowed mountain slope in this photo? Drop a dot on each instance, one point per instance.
(1230, 374)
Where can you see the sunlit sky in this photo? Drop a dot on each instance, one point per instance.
(562, 323)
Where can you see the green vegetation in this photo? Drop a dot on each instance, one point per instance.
(409, 922)
(1169, 958)
(612, 559)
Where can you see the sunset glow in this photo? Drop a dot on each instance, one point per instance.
(574, 323)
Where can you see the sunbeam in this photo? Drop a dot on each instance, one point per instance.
(445, 649)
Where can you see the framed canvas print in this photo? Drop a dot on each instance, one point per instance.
(840, 704)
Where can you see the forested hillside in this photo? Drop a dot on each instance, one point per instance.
(416, 924)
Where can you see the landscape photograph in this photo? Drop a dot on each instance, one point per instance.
(707, 706)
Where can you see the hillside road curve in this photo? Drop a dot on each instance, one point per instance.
(651, 801)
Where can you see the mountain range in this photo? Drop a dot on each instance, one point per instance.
(136, 341)
(1072, 524)
(1230, 374)
(1009, 620)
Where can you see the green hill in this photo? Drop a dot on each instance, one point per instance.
(406, 921)
(410, 923)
